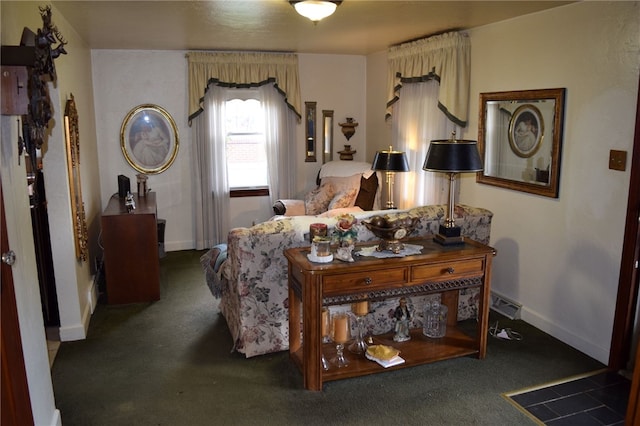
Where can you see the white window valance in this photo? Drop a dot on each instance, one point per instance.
(445, 58)
(243, 69)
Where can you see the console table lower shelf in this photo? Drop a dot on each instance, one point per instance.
(438, 269)
(417, 351)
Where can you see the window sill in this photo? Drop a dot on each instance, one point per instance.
(249, 192)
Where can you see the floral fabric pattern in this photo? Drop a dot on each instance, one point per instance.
(253, 281)
(317, 200)
(343, 199)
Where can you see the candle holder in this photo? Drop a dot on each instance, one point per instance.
(340, 336)
(359, 310)
(326, 326)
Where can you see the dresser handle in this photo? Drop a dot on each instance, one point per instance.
(368, 281)
(450, 270)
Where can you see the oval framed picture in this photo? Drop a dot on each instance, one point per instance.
(526, 130)
(149, 139)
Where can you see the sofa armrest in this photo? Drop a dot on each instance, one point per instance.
(289, 207)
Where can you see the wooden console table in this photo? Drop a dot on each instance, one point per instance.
(132, 264)
(438, 269)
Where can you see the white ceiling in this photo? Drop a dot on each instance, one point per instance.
(357, 27)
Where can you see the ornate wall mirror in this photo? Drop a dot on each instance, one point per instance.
(327, 135)
(73, 167)
(310, 132)
(520, 140)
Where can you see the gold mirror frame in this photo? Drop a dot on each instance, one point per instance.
(73, 167)
(520, 140)
(310, 132)
(149, 139)
(327, 135)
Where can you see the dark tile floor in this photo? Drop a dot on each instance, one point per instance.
(598, 399)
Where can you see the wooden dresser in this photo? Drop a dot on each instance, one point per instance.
(130, 240)
(438, 269)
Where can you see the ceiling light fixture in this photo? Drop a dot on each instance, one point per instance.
(315, 10)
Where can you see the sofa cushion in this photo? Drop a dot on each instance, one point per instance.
(355, 210)
(317, 200)
(345, 168)
(343, 199)
(343, 183)
(368, 189)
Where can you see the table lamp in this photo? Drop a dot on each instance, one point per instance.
(390, 162)
(452, 156)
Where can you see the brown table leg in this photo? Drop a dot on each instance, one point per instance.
(450, 300)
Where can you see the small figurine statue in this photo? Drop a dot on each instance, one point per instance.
(346, 237)
(130, 203)
(403, 317)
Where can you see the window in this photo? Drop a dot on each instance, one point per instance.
(245, 144)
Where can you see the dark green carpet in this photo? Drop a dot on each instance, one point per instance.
(169, 363)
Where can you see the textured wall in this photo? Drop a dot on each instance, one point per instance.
(560, 257)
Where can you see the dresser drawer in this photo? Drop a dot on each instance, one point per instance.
(447, 270)
(365, 280)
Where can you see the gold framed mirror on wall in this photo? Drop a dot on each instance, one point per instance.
(310, 132)
(73, 167)
(520, 140)
(327, 135)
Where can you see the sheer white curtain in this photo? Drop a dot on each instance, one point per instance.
(493, 155)
(417, 120)
(280, 122)
(210, 171)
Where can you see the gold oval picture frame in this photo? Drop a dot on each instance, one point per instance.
(149, 139)
(526, 130)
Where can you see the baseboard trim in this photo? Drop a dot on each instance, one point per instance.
(93, 295)
(72, 333)
(79, 331)
(179, 245)
(596, 352)
(56, 420)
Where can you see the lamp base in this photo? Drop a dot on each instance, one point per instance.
(448, 236)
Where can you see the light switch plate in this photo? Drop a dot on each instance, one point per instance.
(618, 160)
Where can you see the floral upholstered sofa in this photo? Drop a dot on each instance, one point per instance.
(249, 274)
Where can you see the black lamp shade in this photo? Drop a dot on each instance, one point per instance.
(390, 161)
(453, 156)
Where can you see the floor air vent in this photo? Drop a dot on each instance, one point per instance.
(506, 307)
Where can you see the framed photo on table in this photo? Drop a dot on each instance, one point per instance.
(149, 139)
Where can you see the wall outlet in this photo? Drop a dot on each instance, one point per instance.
(617, 160)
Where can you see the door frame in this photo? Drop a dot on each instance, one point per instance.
(627, 299)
